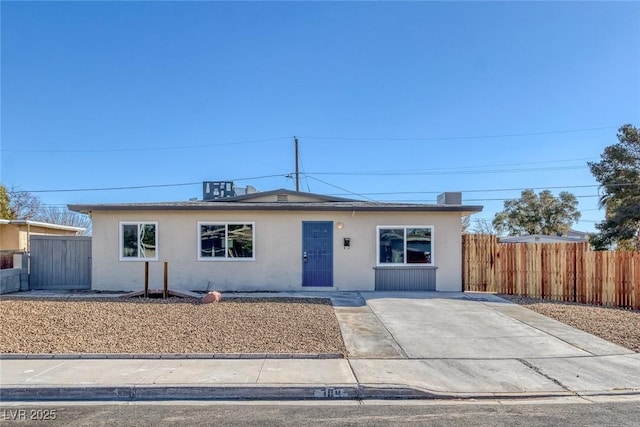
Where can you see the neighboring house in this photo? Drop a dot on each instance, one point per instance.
(279, 240)
(14, 234)
(572, 236)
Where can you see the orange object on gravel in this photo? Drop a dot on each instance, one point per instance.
(210, 297)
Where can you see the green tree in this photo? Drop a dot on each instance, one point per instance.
(5, 201)
(618, 173)
(537, 214)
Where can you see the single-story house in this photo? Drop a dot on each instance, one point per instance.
(14, 234)
(279, 240)
(572, 236)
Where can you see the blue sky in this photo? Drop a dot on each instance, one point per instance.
(390, 101)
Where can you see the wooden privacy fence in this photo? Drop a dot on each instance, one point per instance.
(556, 271)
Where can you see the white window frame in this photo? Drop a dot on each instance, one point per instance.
(121, 241)
(404, 263)
(226, 232)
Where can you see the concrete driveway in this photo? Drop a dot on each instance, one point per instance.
(435, 325)
(477, 343)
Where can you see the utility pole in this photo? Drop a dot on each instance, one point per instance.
(297, 171)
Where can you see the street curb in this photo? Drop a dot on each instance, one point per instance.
(258, 393)
(177, 392)
(234, 356)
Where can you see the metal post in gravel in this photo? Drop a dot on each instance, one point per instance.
(146, 279)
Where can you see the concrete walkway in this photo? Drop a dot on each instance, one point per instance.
(401, 345)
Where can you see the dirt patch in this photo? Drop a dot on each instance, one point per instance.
(613, 324)
(173, 325)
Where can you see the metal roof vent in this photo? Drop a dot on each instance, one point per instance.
(282, 198)
(450, 198)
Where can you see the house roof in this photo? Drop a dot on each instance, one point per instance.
(278, 200)
(284, 191)
(41, 224)
(542, 238)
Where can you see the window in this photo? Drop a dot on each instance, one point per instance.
(225, 241)
(402, 245)
(138, 241)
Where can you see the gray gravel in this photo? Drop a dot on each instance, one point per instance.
(174, 325)
(617, 325)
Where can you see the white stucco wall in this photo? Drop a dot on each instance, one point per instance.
(277, 250)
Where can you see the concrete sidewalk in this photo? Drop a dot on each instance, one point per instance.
(278, 379)
(401, 345)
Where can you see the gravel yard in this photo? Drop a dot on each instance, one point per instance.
(174, 325)
(243, 325)
(613, 324)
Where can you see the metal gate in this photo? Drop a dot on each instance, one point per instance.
(317, 255)
(60, 262)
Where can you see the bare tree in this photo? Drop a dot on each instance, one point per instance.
(483, 226)
(466, 222)
(22, 204)
(64, 216)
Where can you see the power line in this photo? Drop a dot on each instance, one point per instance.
(422, 138)
(452, 138)
(582, 159)
(340, 188)
(410, 171)
(348, 192)
(476, 200)
(137, 187)
(490, 190)
(474, 219)
(118, 150)
(444, 172)
(511, 198)
(306, 179)
(132, 187)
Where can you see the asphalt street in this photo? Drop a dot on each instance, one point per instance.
(412, 413)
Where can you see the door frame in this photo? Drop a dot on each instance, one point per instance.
(328, 271)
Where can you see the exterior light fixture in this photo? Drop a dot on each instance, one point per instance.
(339, 226)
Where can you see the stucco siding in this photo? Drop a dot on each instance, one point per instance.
(16, 236)
(277, 250)
(10, 237)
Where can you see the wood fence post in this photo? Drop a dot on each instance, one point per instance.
(165, 293)
(575, 273)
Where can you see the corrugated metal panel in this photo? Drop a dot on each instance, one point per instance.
(60, 262)
(405, 278)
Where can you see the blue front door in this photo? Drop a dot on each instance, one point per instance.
(317, 253)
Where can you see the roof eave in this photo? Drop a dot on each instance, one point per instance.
(43, 225)
(469, 209)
